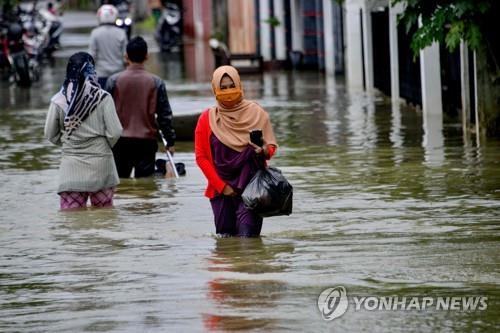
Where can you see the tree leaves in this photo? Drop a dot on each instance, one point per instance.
(444, 21)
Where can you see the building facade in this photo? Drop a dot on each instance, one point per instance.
(360, 39)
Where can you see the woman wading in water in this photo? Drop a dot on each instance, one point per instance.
(227, 157)
(82, 118)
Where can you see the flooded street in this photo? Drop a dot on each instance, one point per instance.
(381, 207)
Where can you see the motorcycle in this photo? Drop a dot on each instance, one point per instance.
(4, 52)
(28, 34)
(124, 19)
(34, 46)
(16, 62)
(54, 31)
(44, 29)
(168, 33)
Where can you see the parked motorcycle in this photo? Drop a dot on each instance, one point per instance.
(55, 30)
(15, 60)
(4, 52)
(28, 35)
(44, 29)
(34, 47)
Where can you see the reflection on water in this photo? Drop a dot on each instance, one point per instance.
(433, 141)
(199, 61)
(38, 96)
(387, 202)
(254, 299)
(252, 256)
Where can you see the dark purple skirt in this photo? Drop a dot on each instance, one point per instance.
(237, 169)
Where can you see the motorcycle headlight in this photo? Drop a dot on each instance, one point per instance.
(128, 21)
(119, 22)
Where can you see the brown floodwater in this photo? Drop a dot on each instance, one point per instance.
(383, 206)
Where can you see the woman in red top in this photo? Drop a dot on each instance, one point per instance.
(227, 157)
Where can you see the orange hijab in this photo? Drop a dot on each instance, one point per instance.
(232, 125)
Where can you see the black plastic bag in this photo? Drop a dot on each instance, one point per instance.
(269, 193)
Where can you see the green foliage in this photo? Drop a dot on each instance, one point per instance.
(148, 24)
(273, 21)
(8, 3)
(80, 4)
(444, 21)
(218, 35)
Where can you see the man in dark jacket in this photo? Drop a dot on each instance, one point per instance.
(143, 108)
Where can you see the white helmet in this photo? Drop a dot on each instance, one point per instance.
(107, 14)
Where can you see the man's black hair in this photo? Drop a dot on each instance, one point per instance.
(137, 49)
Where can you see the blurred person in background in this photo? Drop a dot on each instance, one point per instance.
(107, 44)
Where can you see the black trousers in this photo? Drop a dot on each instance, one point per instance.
(137, 154)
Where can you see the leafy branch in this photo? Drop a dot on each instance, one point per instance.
(444, 21)
(273, 21)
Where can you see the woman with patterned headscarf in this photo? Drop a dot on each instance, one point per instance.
(82, 118)
(226, 155)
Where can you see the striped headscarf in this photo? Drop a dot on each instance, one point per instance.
(82, 94)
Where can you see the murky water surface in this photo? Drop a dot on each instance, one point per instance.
(381, 207)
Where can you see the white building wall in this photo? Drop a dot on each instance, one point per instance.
(265, 30)
(279, 31)
(354, 44)
(430, 73)
(328, 37)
